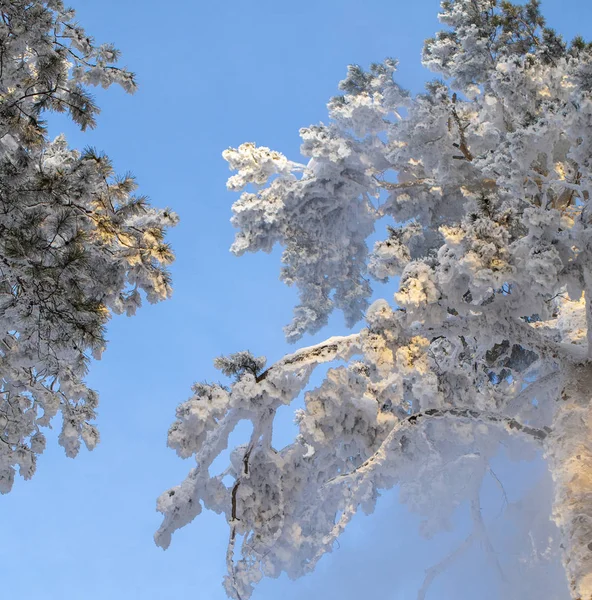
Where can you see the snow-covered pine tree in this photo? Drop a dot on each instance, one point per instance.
(76, 244)
(485, 182)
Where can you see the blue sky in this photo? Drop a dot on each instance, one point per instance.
(213, 75)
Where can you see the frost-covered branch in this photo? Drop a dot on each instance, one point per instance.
(334, 348)
(444, 564)
(414, 420)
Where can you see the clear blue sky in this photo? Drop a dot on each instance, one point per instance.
(213, 75)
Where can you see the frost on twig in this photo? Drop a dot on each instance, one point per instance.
(239, 363)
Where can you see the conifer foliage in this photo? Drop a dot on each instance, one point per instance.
(76, 243)
(484, 182)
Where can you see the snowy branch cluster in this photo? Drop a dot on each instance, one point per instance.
(484, 181)
(76, 244)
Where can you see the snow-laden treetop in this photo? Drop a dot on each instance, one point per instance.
(485, 182)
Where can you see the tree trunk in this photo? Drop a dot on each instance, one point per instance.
(570, 460)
